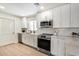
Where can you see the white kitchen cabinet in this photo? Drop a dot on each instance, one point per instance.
(65, 16)
(65, 46)
(46, 15)
(56, 17)
(57, 46)
(74, 15)
(35, 41)
(61, 16)
(25, 38)
(54, 46)
(30, 40)
(40, 17)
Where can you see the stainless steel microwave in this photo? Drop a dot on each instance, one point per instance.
(46, 24)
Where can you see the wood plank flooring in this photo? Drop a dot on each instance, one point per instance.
(19, 50)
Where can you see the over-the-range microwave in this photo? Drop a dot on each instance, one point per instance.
(46, 24)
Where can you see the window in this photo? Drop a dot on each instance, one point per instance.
(32, 25)
(24, 22)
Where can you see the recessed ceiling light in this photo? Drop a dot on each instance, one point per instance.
(2, 7)
(42, 7)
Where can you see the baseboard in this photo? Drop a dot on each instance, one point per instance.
(5, 44)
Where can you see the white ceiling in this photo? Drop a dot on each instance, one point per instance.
(25, 9)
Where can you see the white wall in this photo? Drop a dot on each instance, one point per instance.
(9, 28)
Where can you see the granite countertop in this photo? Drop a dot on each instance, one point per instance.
(65, 36)
(52, 35)
(31, 33)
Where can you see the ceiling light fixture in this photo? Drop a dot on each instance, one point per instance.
(39, 6)
(42, 7)
(2, 7)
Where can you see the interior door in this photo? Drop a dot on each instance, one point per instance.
(7, 30)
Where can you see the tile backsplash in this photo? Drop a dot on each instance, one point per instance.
(45, 30)
(66, 31)
(59, 31)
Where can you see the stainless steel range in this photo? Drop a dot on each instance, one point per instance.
(44, 42)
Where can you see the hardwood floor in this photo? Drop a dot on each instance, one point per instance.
(19, 50)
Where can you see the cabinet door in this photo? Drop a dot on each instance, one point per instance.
(65, 16)
(57, 46)
(35, 41)
(32, 40)
(61, 47)
(61, 16)
(54, 46)
(56, 17)
(74, 15)
(47, 15)
(25, 38)
(29, 40)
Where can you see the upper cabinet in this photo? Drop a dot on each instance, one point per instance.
(74, 15)
(65, 15)
(56, 17)
(47, 15)
(61, 16)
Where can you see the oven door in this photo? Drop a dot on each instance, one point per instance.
(44, 44)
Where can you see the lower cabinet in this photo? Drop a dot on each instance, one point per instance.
(35, 41)
(57, 46)
(30, 40)
(25, 38)
(64, 46)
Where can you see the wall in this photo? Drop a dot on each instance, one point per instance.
(10, 25)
